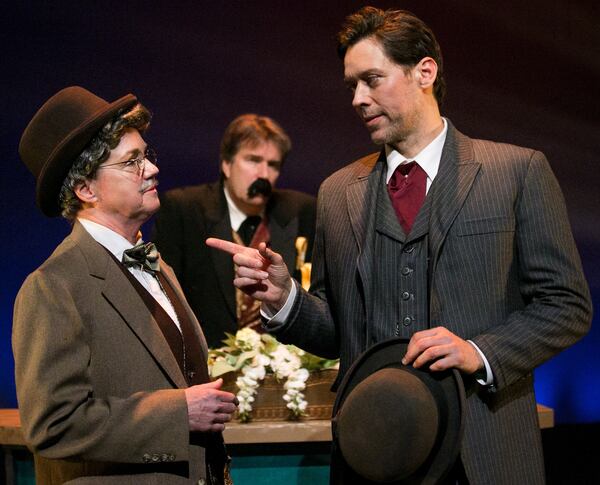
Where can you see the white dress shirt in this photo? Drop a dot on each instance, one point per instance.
(117, 244)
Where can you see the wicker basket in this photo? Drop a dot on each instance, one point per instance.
(270, 406)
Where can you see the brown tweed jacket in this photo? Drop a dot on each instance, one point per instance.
(503, 271)
(100, 393)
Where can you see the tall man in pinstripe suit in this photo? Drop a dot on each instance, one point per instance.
(487, 280)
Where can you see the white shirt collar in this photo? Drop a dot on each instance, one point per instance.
(236, 215)
(112, 241)
(428, 158)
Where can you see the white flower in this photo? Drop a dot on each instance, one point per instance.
(296, 383)
(247, 339)
(254, 355)
(261, 360)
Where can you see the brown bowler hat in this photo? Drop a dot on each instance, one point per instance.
(394, 423)
(58, 133)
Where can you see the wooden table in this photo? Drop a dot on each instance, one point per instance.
(237, 433)
(256, 433)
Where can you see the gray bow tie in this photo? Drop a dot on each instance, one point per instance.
(144, 255)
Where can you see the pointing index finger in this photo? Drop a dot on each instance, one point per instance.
(226, 246)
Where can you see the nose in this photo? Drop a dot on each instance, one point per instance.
(361, 97)
(262, 170)
(150, 170)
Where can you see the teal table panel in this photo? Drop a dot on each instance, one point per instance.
(275, 470)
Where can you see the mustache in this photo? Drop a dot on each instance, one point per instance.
(260, 187)
(148, 185)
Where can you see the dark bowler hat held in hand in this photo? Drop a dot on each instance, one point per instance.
(394, 423)
(58, 133)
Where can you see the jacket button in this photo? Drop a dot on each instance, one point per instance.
(146, 458)
(202, 481)
(407, 321)
(405, 295)
(155, 458)
(409, 249)
(406, 271)
(191, 374)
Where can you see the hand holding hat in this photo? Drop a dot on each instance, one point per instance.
(394, 423)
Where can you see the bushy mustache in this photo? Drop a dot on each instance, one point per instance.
(260, 187)
(148, 184)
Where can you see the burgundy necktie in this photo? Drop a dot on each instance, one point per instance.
(407, 192)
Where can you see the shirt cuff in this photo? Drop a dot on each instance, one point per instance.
(273, 322)
(489, 376)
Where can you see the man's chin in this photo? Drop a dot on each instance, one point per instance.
(378, 138)
(256, 204)
(257, 200)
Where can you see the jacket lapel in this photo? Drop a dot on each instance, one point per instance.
(283, 226)
(361, 197)
(450, 188)
(122, 296)
(219, 226)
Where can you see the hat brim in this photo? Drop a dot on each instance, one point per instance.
(60, 161)
(446, 450)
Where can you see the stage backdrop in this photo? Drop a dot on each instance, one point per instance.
(519, 72)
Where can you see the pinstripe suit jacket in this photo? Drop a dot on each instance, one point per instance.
(100, 392)
(503, 271)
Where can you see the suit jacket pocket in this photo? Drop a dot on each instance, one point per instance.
(472, 227)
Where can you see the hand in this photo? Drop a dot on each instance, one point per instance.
(208, 407)
(261, 273)
(444, 349)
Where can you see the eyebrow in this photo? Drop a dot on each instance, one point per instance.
(362, 75)
(134, 152)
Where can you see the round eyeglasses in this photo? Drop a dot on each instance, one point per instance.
(135, 165)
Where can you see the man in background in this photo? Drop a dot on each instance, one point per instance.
(461, 245)
(243, 207)
(110, 360)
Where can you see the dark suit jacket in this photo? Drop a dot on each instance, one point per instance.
(100, 392)
(504, 271)
(190, 215)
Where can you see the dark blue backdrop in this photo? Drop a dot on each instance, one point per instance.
(521, 72)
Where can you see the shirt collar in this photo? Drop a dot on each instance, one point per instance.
(108, 238)
(428, 158)
(236, 215)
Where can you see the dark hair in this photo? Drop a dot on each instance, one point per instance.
(96, 152)
(254, 129)
(405, 39)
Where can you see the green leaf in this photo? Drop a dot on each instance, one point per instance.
(219, 368)
(244, 358)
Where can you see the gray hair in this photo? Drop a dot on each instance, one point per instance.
(96, 152)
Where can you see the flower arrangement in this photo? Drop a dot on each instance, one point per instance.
(253, 356)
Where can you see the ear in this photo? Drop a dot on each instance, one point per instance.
(86, 191)
(226, 168)
(426, 72)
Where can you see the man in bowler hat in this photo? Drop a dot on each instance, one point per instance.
(110, 361)
(461, 245)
